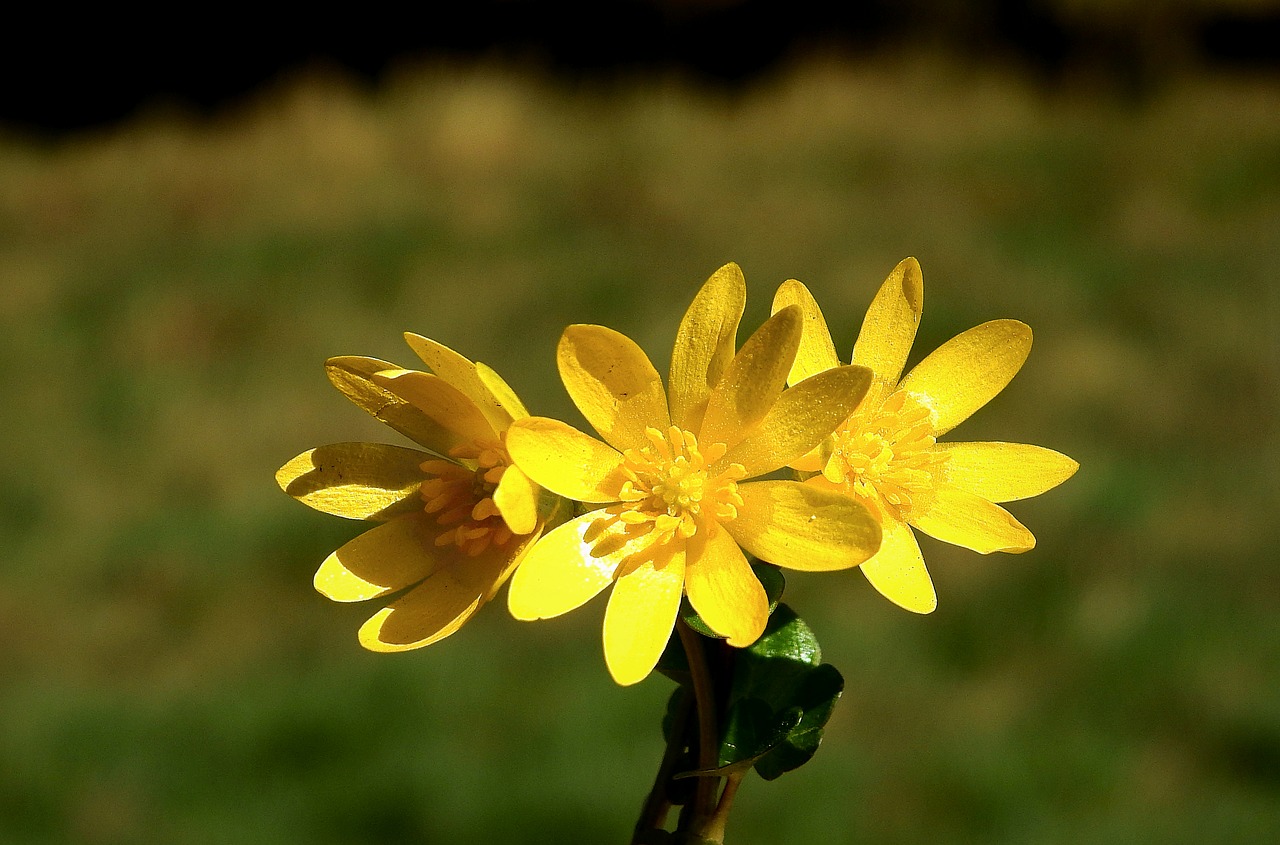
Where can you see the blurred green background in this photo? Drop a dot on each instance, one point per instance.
(172, 285)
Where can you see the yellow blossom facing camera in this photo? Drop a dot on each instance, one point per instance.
(886, 454)
(674, 506)
(456, 519)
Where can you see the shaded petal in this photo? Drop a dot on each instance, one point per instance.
(963, 519)
(1005, 472)
(560, 574)
(613, 384)
(502, 392)
(889, 328)
(754, 380)
(384, 559)
(565, 461)
(799, 526)
(817, 352)
(517, 501)
(450, 408)
(967, 372)
(800, 420)
(354, 376)
(356, 480)
(705, 344)
(723, 589)
(897, 571)
(462, 374)
(640, 618)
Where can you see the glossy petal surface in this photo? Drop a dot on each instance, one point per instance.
(461, 373)
(1005, 472)
(723, 589)
(754, 380)
(384, 559)
(517, 500)
(817, 352)
(898, 572)
(798, 526)
(963, 519)
(889, 328)
(640, 618)
(447, 406)
(613, 384)
(705, 344)
(565, 461)
(560, 574)
(354, 377)
(356, 480)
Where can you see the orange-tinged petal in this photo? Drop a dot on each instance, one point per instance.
(356, 480)
(560, 574)
(799, 526)
(705, 344)
(963, 519)
(517, 501)
(640, 618)
(722, 587)
(354, 376)
(502, 392)
(967, 372)
(1005, 472)
(461, 373)
(897, 571)
(799, 421)
(445, 404)
(384, 559)
(889, 328)
(754, 380)
(817, 352)
(565, 461)
(613, 384)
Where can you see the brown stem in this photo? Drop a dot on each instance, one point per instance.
(713, 829)
(704, 697)
(653, 816)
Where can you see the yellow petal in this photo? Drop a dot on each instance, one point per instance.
(799, 421)
(754, 380)
(817, 352)
(963, 519)
(613, 383)
(354, 376)
(565, 461)
(384, 559)
(560, 574)
(799, 526)
(502, 392)
(640, 618)
(705, 344)
(967, 372)
(517, 501)
(1005, 472)
(461, 373)
(356, 480)
(450, 408)
(897, 571)
(890, 326)
(722, 587)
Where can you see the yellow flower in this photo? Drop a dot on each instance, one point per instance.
(674, 509)
(886, 454)
(456, 520)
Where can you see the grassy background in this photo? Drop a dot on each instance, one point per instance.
(170, 288)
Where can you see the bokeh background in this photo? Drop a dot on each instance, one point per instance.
(187, 233)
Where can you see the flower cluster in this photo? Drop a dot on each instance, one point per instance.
(773, 450)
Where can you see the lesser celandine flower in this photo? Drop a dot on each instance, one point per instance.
(674, 507)
(456, 519)
(886, 454)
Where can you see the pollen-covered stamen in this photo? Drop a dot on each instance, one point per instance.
(886, 456)
(460, 494)
(669, 489)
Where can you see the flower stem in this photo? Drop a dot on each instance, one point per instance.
(708, 737)
(653, 816)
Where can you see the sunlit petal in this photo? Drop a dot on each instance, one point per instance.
(799, 526)
(889, 328)
(1005, 472)
(517, 500)
(817, 352)
(897, 571)
(723, 589)
(445, 404)
(963, 519)
(564, 460)
(640, 618)
(753, 381)
(560, 574)
(705, 344)
(384, 559)
(461, 373)
(502, 392)
(356, 480)
(354, 376)
(613, 384)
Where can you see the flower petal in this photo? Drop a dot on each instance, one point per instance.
(964, 519)
(640, 618)
(1005, 472)
(799, 421)
(560, 574)
(799, 526)
(754, 380)
(450, 408)
(356, 480)
(354, 376)
(705, 344)
(613, 383)
(565, 461)
(889, 328)
(967, 372)
(817, 352)
(462, 374)
(384, 559)
(502, 392)
(517, 501)
(897, 571)
(723, 589)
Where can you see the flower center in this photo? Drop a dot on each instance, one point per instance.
(669, 489)
(886, 456)
(461, 495)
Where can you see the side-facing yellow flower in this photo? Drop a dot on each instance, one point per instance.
(674, 509)
(886, 454)
(456, 519)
